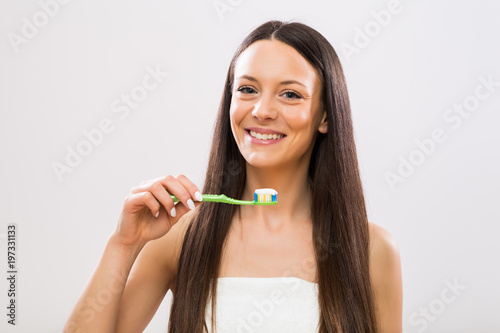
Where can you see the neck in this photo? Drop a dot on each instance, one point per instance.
(294, 195)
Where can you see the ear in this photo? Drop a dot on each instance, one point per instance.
(323, 124)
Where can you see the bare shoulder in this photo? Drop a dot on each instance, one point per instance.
(385, 260)
(385, 272)
(382, 243)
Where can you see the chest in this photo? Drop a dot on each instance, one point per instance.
(252, 251)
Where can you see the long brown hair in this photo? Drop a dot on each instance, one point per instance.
(340, 225)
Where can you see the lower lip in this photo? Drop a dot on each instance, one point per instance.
(263, 142)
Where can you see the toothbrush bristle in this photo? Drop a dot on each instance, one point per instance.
(265, 195)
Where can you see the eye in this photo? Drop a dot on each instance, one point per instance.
(242, 89)
(292, 93)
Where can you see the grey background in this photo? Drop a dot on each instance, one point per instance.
(65, 78)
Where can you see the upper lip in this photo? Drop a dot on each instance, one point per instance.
(263, 130)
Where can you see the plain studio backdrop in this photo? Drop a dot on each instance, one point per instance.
(96, 97)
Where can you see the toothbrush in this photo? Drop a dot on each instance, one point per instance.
(262, 196)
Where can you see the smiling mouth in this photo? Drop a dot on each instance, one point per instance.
(265, 136)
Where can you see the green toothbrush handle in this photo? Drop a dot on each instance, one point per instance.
(218, 198)
(224, 199)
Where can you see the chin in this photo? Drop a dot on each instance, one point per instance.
(262, 161)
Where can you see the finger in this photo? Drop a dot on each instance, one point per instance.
(144, 185)
(182, 209)
(135, 202)
(161, 188)
(176, 188)
(191, 187)
(163, 197)
(183, 188)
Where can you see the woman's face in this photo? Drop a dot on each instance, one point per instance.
(264, 98)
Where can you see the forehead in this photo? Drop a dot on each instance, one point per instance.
(269, 60)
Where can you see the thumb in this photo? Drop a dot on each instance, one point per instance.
(181, 209)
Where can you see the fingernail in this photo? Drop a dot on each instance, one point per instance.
(198, 196)
(157, 213)
(191, 204)
(172, 212)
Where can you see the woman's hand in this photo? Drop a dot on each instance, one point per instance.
(149, 212)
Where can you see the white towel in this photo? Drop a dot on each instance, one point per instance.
(262, 305)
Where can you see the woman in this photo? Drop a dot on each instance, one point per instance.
(286, 79)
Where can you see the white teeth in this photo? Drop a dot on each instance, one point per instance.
(266, 136)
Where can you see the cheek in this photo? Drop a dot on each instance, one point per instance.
(299, 118)
(237, 111)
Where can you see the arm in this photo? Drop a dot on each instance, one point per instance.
(147, 236)
(123, 296)
(97, 307)
(151, 277)
(385, 271)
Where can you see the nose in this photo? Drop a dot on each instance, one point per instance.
(265, 108)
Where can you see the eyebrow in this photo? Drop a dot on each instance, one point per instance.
(251, 78)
